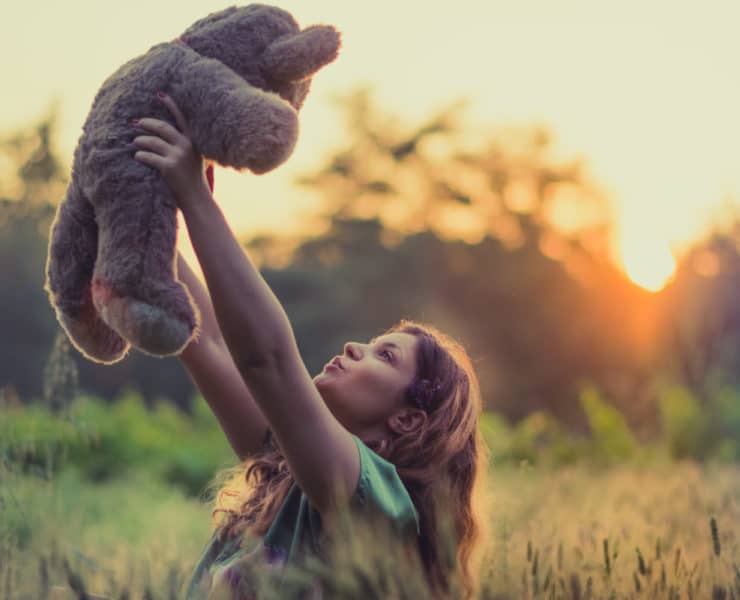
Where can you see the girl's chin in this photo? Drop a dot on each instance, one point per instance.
(321, 381)
(326, 375)
(320, 378)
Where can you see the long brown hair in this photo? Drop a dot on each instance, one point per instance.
(443, 465)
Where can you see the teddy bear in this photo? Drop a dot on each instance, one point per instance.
(239, 77)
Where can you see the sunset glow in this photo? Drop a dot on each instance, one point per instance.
(649, 263)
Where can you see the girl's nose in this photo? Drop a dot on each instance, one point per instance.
(352, 350)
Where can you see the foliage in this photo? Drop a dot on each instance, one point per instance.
(364, 259)
(538, 439)
(687, 431)
(701, 310)
(683, 423)
(422, 177)
(26, 319)
(695, 431)
(725, 420)
(107, 441)
(422, 224)
(612, 439)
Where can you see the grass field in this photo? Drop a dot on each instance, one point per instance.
(577, 532)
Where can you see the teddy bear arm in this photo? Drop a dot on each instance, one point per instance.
(70, 261)
(233, 122)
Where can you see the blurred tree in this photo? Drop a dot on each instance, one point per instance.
(703, 313)
(501, 244)
(28, 324)
(476, 240)
(426, 178)
(26, 320)
(701, 347)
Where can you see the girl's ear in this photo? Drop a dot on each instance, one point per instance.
(407, 420)
(296, 57)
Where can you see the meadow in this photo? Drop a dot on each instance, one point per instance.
(110, 501)
(108, 498)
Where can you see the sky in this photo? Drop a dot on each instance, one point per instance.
(646, 92)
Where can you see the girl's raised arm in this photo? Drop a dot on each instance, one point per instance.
(209, 364)
(321, 453)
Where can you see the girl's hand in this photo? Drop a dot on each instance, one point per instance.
(172, 153)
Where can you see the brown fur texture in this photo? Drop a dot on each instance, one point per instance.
(239, 76)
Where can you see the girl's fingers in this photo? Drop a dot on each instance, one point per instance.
(182, 124)
(152, 143)
(162, 128)
(153, 160)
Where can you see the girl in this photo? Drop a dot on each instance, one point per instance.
(388, 428)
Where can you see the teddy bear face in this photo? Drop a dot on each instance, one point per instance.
(240, 37)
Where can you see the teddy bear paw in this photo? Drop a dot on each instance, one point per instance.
(147, 327)
(94, 339)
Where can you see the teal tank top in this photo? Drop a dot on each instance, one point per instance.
(297, 527)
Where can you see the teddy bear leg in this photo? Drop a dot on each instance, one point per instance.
(71, 256)
(134, 286)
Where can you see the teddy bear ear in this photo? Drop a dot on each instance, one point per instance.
(296, 57)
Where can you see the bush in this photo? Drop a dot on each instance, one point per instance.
(538, 439)
(685, 427)
(612, 439)
(725, 423)
(107, 440)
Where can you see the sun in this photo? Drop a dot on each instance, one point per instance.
(648, 262)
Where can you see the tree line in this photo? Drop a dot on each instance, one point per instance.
(419, 222)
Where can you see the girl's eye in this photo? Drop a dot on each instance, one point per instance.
(390, 356)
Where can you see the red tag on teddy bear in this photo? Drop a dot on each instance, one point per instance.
(209, 176)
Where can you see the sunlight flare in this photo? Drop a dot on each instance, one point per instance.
(648, 262)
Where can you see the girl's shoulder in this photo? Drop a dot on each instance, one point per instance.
(381, 489)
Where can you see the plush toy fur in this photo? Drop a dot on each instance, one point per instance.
(239, 76)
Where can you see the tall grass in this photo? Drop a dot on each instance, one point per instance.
(572, 533)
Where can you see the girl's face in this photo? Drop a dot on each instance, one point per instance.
(365, 385)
